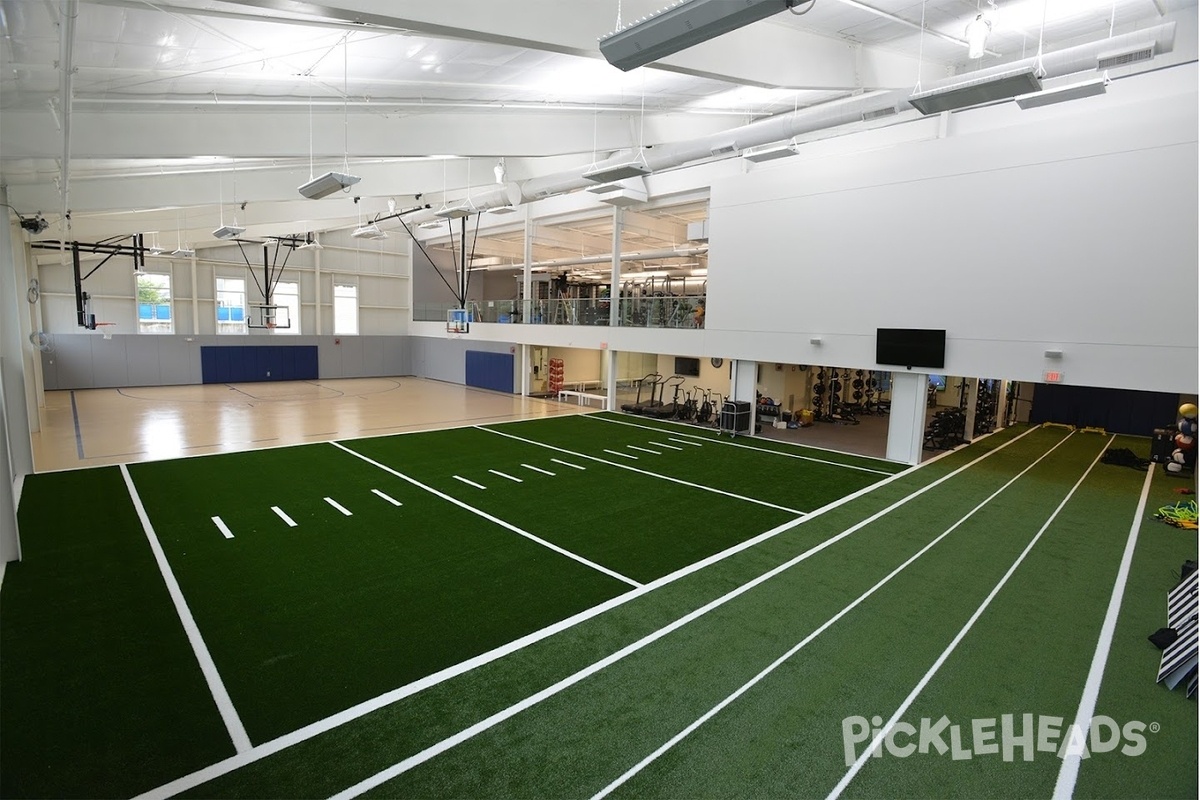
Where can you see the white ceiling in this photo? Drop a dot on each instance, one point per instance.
(179, 104)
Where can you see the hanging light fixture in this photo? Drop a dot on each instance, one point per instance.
(331, 182)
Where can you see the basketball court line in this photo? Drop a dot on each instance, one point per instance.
(78, 432)
(291, 523)
(229, 715)
(505, 475)
(877, 741)
(345, 511)
(1068, 772)
(538, 469)
(459, 478)
(680, 481)
(391, 500)
(280, 743)
(222, 527)
(489, 722)
(491, 518)
(748, 685)
(744, 446)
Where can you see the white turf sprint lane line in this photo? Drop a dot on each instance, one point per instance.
(505, 475)
(338, 506)
(291, 523)
(459, 478)
(566, 463)
(680, 481)
(233, 723)
(877, 742)
(222, 527)
(538, 469)
(643, 449)
(679, 737)
(1068, 773)
(668, 446)
(495, 719)
(266, 749)
(744, 446)
(495, 520)
(684, 441)
(615, 453)
(391, 500)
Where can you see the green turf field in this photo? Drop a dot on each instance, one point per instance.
(581, 606)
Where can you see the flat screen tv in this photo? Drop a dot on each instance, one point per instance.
(687, 366)
(910, 347)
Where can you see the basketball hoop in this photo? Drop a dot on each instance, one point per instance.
(107, 333)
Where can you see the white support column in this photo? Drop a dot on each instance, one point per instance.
(35, 397)
(742, 386)
(317, 286)
(16, 451)
(524, 370)
(614, 277)
(610, 378)
(527, 274)
(906, 422)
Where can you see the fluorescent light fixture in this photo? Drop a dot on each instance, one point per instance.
(228, 232)
(625, 194)
(454, 212)
(617, 172)
(987, 89)
(184, 252)
(313, 245)
(327, 184)
(155, 250)
(430, 225)
(770, 152)
(681, 26)
(371, 231)
(1060, 94)
(506, 209)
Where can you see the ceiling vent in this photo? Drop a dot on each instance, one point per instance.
(617, 172)
(879, 113)
(1112, 60)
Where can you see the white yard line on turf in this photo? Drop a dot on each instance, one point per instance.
(338, 506)
(459, 478)
(643, 449)
(712, 712)
(684, 441)
(291, 523)
(222, 527)
(680, 481)
(877, 742)
(391, 500)
(668, 446)
(505, 475)
(743, 446)
(567, 463)
(1068, 773)
(233, 723)
(319, 727)
(622, 455)
(490, 518)
(500, 716)
(538, 469)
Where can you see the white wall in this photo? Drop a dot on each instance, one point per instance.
(1071, 227)
(579, 364)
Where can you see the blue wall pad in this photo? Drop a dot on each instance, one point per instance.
(1116, 410)
(249, 364)
(490, 370)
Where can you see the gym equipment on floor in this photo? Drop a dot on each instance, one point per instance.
(637, 406)
(1179, 658)
(945, 431)
(668, 410)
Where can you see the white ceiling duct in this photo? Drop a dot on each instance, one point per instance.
(606, 258)
(1129, 47)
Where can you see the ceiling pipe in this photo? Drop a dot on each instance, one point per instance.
(828, 115)
(902, 21)
(66, 45)
(579, 261)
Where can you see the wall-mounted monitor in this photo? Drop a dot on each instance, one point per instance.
(687, 366)
(938, 382)
(911, 347)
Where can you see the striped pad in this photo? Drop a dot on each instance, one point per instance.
(1180, 657)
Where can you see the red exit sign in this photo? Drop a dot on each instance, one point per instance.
(1052, 377)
